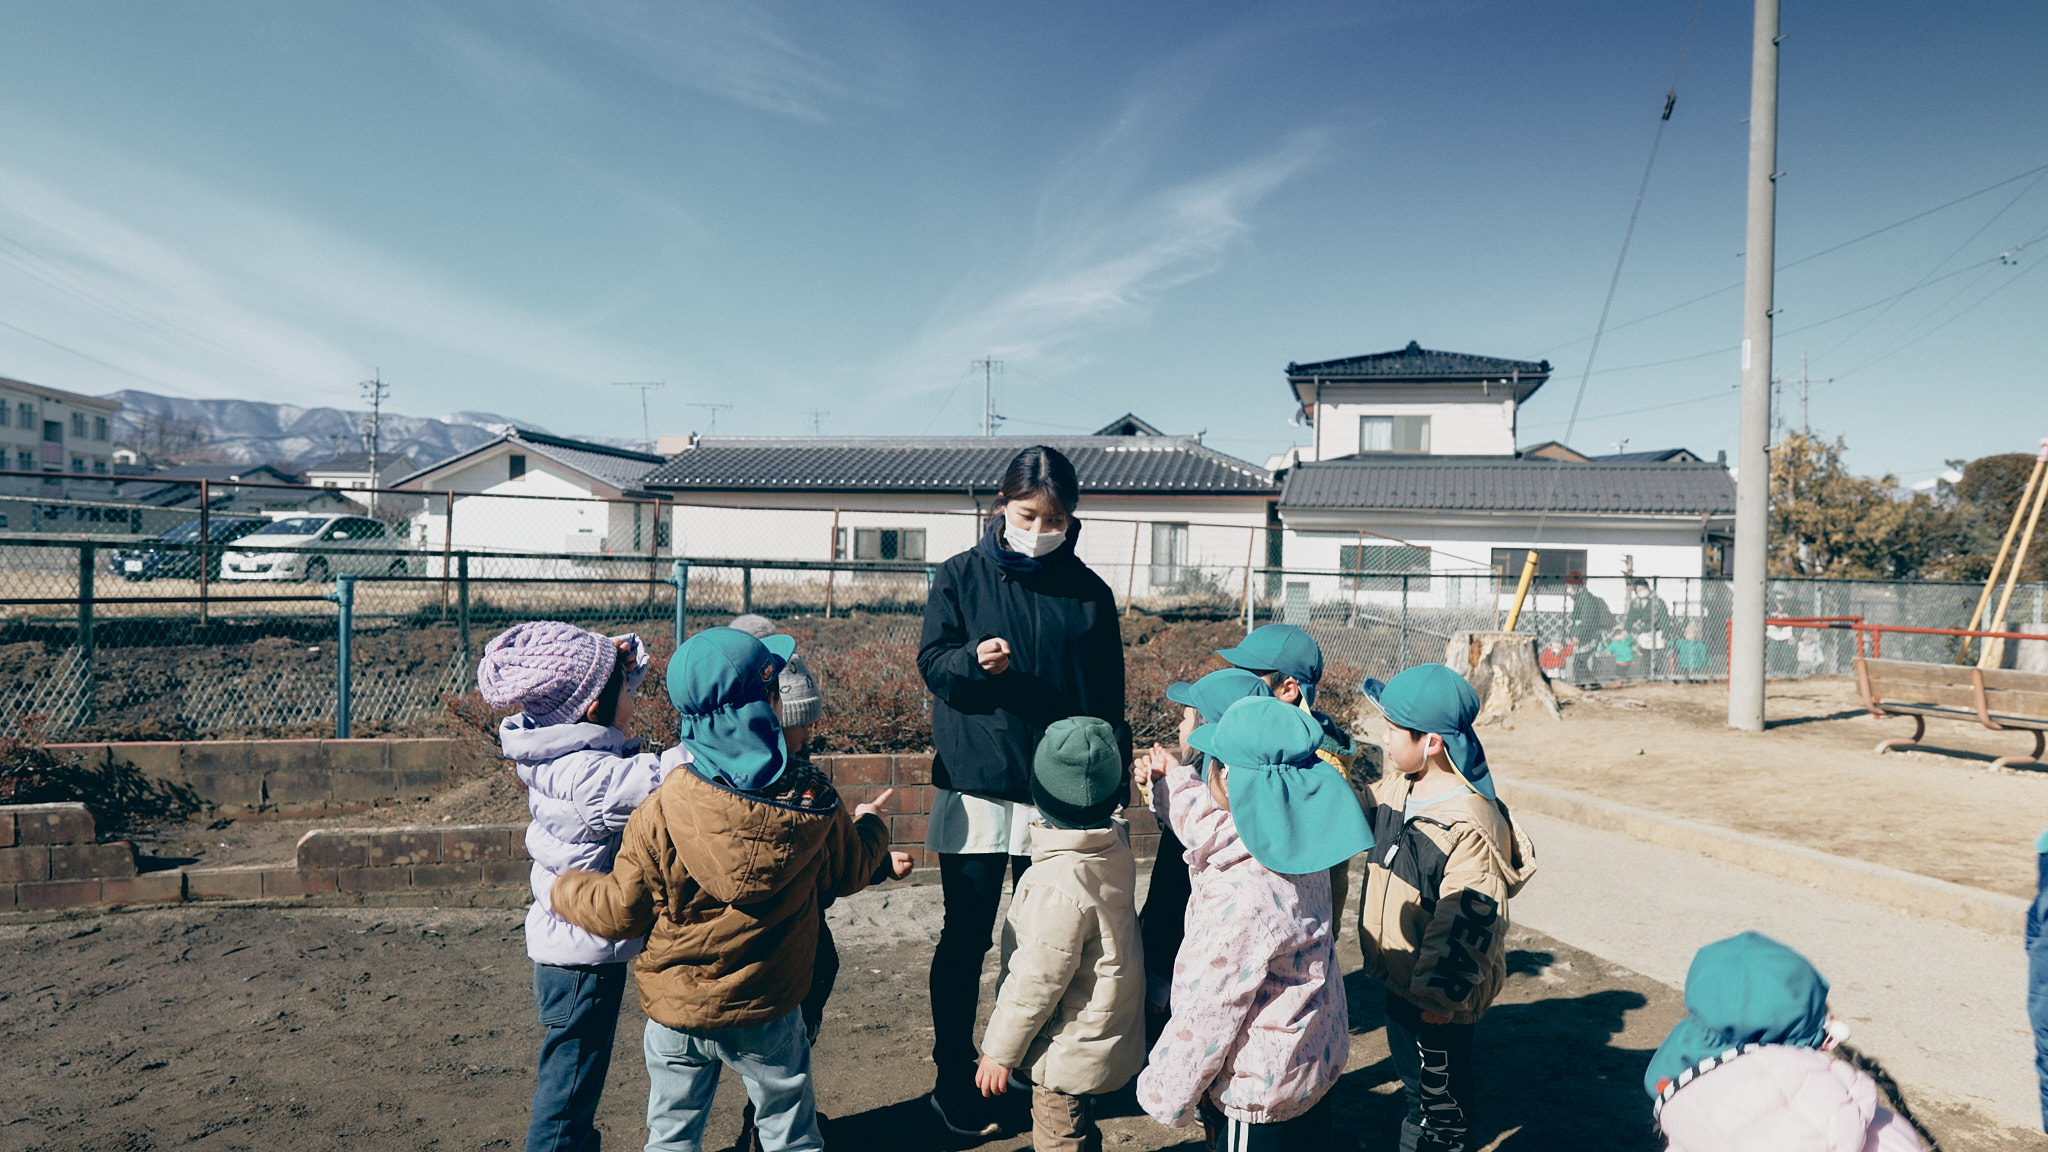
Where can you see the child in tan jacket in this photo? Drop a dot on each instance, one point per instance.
(1069, 1009)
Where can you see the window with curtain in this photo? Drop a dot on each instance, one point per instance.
(1394, 434)
(1169, 552)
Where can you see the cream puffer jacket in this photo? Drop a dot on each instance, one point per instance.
(1070, 1008)
(1784, 1099)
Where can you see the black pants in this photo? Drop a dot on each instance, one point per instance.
(1163, 923)
(1308, 1132)
(824, 973)
(972, 884)
(1435, 1065)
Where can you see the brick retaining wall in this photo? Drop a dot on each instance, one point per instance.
(284, 777)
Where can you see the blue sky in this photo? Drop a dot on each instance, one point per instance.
(1151, 208)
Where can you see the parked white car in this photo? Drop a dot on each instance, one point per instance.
(274, 552)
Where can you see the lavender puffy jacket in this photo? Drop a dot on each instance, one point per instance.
(582, 782)
(1784, 1099)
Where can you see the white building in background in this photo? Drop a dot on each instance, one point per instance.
(350, 471)
(1162, 516)
(529, 492)
(57, 433)
(1412, 470)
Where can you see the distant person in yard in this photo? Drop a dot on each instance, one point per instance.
(1758, 1064)
(1434, 922)
(1164, 921)
(1260, 1031)
(1068, 1008)
(583, 779)
(1591, 622)
(1647, 620)
(1018, 634)
(723, 870)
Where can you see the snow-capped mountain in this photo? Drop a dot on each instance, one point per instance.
(251, 432)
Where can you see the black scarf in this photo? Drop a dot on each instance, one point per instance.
(1018, 564)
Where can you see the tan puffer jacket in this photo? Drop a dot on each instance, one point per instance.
(1434, 921)
(1070, 1006)
(729, 883)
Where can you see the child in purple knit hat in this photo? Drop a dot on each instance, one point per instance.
(574, 691)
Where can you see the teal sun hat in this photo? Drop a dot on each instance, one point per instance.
(1281, 648)
(719, 681)
(1747, 989)
(1217, 691)
(1433, 698)
(1296, 815)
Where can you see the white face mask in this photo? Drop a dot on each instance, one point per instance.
(1031, 543)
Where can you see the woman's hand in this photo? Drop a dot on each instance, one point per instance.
(993, 655)
(992, 1078)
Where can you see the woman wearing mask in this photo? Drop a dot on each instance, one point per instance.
(1018, 634)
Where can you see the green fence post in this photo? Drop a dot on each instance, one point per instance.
(679, 575)
(746, 590)
(345, 596)
(462, 615)
(85, 648)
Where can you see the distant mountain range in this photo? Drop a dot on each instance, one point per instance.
(253, 432)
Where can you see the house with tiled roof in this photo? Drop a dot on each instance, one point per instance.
(575, 496)
(1155, 509)
(1412, 467)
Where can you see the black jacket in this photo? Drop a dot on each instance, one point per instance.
(1066, 659)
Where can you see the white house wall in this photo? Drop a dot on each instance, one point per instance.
(494, 517)
(1462, 421)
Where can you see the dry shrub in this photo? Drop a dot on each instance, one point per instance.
(121, 797)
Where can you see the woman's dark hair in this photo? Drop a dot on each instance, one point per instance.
(1890, 1088)
(608, 696)
(1041, 471)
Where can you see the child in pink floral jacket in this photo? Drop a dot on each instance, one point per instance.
(1260, 1030)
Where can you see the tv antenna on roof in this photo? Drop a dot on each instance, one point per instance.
(818, 421)
(989, 418)
(715, 409)
(645, 386)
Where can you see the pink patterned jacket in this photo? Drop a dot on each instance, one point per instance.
(1259, 1020)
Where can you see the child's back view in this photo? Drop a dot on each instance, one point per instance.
(726, 864)
(583, 778)
(1751, 1068)
(1068, 1010)
(1259, 1032)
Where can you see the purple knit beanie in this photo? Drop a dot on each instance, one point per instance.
(552, 670)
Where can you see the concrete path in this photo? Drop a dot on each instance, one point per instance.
(1943, 1007)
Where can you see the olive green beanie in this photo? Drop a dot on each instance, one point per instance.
(1077, 774)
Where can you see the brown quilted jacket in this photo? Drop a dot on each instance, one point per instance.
(726, 885)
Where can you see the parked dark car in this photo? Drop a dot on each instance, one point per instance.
(146, 563)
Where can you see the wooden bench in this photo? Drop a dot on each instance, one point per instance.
(1997, 698)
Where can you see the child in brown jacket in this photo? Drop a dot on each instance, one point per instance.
(1070, 1007)
(723, 868)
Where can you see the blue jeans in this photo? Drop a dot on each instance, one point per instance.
(773, 1060)
(579, 1013)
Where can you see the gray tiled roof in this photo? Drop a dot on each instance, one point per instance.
(950, 463)
(1415, 361)
(1651, 456)
(1508, 484)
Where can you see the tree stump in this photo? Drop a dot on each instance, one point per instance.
(1502, 668)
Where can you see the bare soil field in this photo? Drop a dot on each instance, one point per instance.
(1810, 778)
(245, 1028)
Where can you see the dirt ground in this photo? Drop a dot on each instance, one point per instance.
(1810, 778)
(244, 1028)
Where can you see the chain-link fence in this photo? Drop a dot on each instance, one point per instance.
(211, 608)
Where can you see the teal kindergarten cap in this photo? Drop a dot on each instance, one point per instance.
(1432, 698)
(719, 680)
(1217, 691)
(1296, 816)
(1281, 648)
(1747, 989)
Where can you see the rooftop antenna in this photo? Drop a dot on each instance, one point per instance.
(818, 421)
(1620, 445)
(714, 409)
(989, 419)
(645, 386)
(375, 390)
(1803, 383)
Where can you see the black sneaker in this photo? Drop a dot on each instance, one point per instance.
(963, 1115)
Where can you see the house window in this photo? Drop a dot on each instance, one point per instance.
(1384, 567)
(1715, 564)
(25, 461)
(888, 543)
(1402, 434)
(1169, 552)
(78, 463)
(53, 432)
(78, 425)
(99, 467)
(99, 428)
(6, 414)
(516, 465)
(28, 415)
(1554, 566)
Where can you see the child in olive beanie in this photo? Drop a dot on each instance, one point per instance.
(1077, 774)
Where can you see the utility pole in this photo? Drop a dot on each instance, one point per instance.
(375, 390)
(714, 409)
(989, 419)
(818, 421)
(1753, 488)
(645, 386)
(1804, 426)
